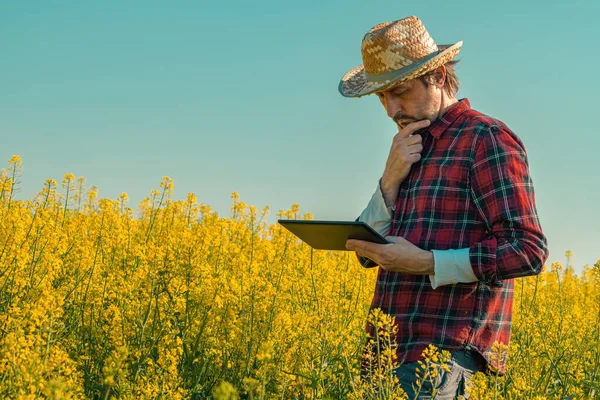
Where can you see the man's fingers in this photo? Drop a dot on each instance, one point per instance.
(413, 126)
(415, 139)
(359, 245)
(367, 249)
(415, 148)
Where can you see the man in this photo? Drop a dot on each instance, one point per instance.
(457, 201)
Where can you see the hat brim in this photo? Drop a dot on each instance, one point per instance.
(356, 84)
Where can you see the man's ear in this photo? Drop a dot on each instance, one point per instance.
(439, 76)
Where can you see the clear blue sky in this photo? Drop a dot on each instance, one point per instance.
(242, 96)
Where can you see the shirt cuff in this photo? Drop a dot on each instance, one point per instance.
(451, 267)
(377, 215)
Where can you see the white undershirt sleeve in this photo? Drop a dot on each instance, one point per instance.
(451, 266)
(377, 215)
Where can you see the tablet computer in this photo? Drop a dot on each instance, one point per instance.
(331, 235)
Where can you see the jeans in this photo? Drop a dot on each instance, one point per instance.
(463, 364)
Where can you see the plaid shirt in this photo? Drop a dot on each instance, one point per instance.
(471, 189)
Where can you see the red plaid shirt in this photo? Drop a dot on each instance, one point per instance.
(472, 189)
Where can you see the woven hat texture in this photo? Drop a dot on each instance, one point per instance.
(394, 52)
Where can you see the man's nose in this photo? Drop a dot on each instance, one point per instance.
(392, 108)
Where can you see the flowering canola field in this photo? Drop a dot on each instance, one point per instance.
(179, 302)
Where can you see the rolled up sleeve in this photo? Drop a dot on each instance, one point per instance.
(379, 217)
(502, 191)
(376, 214)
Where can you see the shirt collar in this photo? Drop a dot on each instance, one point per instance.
(442, 123)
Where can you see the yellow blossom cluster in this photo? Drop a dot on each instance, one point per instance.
(172, 300)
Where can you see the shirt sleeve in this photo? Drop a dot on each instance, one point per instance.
(377, 215)
(502, 191)
(451, 266)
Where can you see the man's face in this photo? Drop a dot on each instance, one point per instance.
(411, 101)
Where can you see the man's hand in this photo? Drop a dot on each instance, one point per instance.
(404, 152)
(399, 256)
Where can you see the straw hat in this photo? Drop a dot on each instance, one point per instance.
(395, 52)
